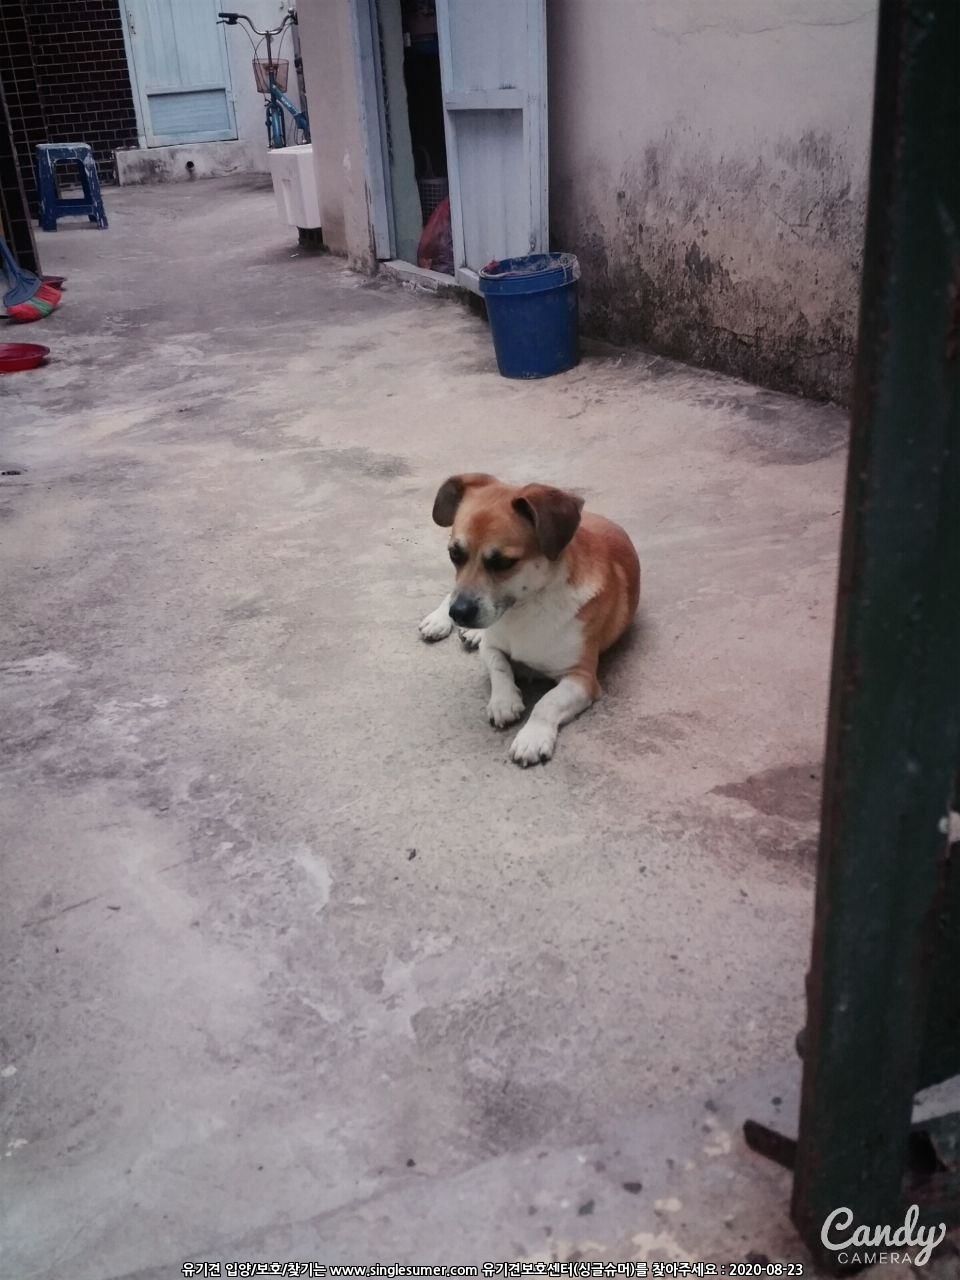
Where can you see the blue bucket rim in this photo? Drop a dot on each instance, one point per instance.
(531, 273)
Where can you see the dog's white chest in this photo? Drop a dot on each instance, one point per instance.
(544, 634)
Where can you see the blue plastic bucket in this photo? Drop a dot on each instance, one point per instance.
(533, 310)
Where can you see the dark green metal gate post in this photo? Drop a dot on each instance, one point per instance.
(880, 954)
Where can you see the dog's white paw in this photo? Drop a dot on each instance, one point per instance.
(436, 625)
(505, 709)
(470, 638)
(534, 744)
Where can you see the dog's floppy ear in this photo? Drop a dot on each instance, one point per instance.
(553, 513)
(450, 495)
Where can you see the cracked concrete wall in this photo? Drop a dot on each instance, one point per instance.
(708, 164)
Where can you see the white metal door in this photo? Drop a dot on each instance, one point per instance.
(493, 66)
(180, 69)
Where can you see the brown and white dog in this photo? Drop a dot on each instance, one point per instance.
(540, 585)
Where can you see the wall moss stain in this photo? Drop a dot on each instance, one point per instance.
(749, 264)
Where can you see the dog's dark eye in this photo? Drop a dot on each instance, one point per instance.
(498, 563)
(458, 555)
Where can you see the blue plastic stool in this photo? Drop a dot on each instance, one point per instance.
(52, 205)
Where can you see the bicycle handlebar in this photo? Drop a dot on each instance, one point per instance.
(231, 20)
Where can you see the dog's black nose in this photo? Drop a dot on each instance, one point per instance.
(464, 610)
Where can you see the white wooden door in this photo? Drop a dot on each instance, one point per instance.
(180, 70)
(493, 67)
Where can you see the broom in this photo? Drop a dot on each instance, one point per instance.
(29, 298)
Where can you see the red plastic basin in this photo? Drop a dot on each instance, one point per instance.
(15, 356)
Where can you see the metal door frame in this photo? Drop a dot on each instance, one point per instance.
(373, 111)
(883, 1008)
(365, 29)
(535, 147)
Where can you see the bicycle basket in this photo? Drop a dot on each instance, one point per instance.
(261, 69)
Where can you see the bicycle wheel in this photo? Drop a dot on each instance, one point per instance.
(276, 127)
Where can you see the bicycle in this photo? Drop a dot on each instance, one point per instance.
(271, 78)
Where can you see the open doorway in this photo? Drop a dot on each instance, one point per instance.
(454, 96)
(416, 145)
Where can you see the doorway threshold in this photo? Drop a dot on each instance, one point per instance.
(419, 277)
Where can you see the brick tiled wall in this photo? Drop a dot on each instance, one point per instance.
(82, 69)
(65, 76)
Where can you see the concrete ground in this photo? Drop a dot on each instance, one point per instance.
(296, 963)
